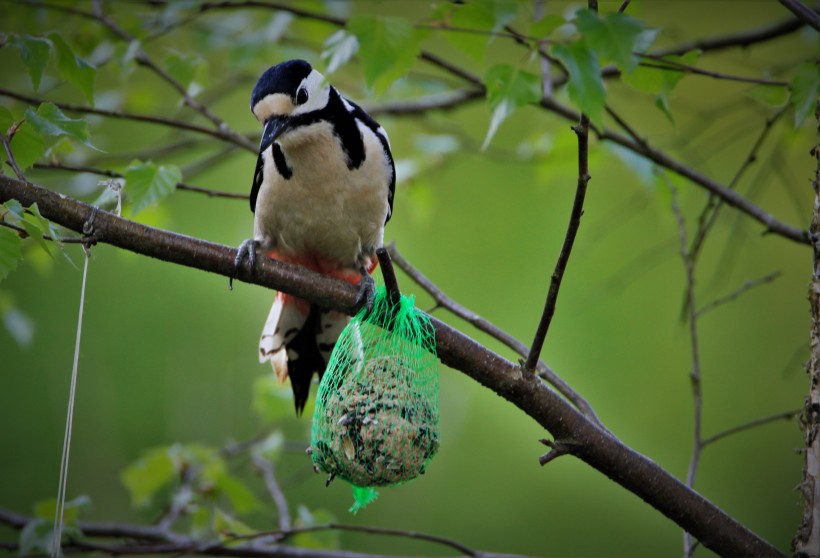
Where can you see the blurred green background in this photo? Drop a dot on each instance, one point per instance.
(169, 354)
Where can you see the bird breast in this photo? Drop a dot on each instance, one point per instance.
(324, 209)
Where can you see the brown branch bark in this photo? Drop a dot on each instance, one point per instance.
(583, 439)
(803, 12)
(582, 131)
(807, 542)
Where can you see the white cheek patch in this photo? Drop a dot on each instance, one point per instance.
(318, 93)
(275, 104)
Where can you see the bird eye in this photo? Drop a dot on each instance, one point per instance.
(301, 96)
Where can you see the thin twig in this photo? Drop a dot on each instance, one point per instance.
(12, 162)
(787, 415)
(232, 137)
(746, 286)
(694, 375)
(742, 39)
(54, 165)
(444, 301)
(143, 59)
(283, 535)
(674, 66)
(732, 198)
(582, 131)
(803, 12)
(274, 490)
(389, 275)
(710, 212)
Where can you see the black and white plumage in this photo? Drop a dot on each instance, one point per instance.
(322, 193)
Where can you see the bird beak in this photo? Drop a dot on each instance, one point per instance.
(274, 127)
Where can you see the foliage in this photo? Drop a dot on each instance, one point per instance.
(478, 98)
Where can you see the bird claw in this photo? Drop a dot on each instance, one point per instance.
(366, 296)
(247, 248)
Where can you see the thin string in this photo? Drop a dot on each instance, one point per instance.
(61, 489)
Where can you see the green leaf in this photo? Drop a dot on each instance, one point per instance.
(614, 37)
(649, 79)
(34, 52)
(147, 183)
(388, 48)
(805, 86)
(36, 226)
(50, 121)
(338, 49)
(47, 509)
(479, 15)
(585, 87)
(27, 146)
(769, 95)
(508, 89)
(544, 27)
(74, 69)
(189, 70)
(662, 102)
(145, 477)
(10, 251)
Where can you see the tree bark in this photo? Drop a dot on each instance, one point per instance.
(807, 542)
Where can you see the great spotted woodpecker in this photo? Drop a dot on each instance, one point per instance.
(322, 194)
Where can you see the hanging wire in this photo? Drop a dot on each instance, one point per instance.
(61, 489)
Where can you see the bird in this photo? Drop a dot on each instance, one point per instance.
(322, 194)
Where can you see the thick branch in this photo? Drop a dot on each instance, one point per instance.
(807, 542)
(803, 12)
(593, 445)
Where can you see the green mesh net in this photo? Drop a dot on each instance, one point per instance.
(376, 420)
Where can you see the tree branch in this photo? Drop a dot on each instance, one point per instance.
(788, 415)
(55, 165)
(231, 137)
(594, 445)
(660, 158)
(743, 39)
(806, 543)
(582, 131)
(442, 300)
(803, 12)
(689, 544)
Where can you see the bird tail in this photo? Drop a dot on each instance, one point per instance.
(297, 339)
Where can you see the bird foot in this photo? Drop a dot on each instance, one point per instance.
(367, 293)
(246, 249)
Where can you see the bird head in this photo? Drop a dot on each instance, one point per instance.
(283, 93)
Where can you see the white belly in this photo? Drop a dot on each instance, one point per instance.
(324, 209)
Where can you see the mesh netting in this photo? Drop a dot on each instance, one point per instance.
(376, 420)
